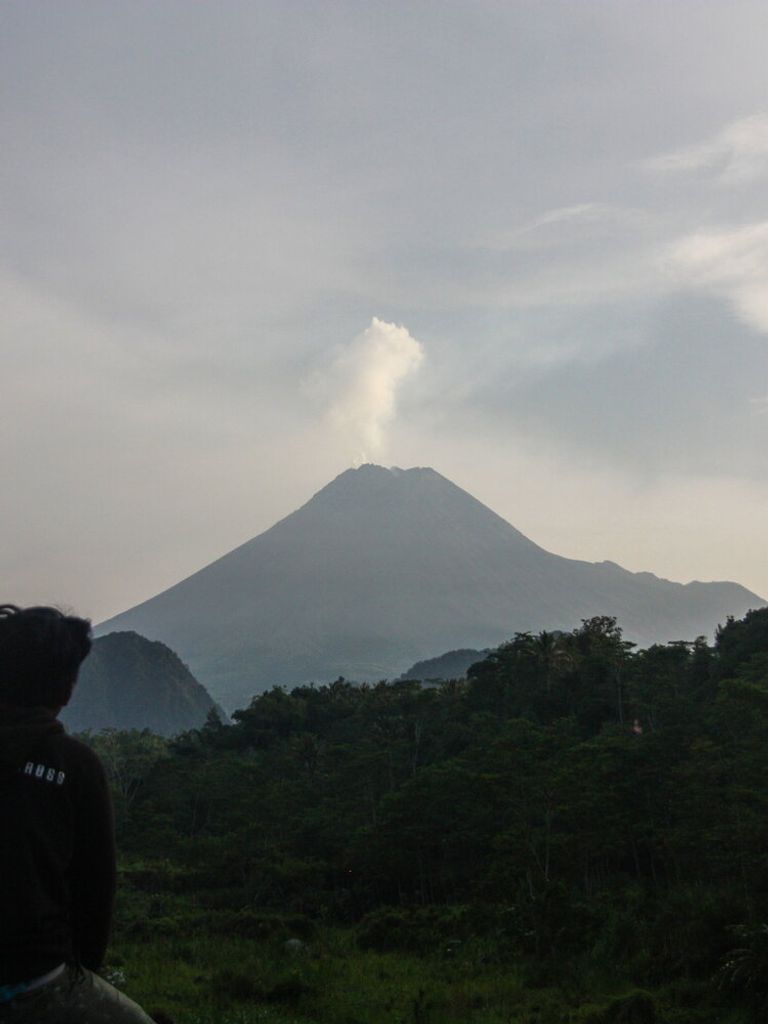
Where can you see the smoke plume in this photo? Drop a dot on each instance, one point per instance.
(365, 377)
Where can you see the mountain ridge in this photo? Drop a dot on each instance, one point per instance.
(381, 568)
(130, 682)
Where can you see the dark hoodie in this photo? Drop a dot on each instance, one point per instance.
(57, 853)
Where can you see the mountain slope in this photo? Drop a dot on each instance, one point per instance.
(382, 568)
(129, 682)
(451, 665)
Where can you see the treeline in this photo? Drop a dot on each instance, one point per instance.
(572, 798)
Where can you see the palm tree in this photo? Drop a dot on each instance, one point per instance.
(552, 656)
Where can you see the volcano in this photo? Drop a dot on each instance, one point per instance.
(386, 567)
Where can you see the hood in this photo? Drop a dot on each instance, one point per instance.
(21, 732)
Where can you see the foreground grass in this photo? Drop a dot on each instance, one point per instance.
(220, 980)
(198, 980)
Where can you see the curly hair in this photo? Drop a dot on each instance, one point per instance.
(41, 650)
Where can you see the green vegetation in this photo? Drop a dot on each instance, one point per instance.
(577, 833)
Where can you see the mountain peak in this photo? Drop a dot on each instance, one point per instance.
(396, 503)
(380, 569)
(370, 472)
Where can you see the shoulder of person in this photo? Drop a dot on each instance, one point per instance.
(79, 756)
(63, 764)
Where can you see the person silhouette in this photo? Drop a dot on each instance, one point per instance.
(57, 850)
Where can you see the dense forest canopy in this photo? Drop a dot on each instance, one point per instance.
(572, 797)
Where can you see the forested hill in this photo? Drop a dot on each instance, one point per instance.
(129, 682)
(579, 801)
(451, 665)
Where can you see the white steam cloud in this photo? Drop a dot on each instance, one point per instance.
(364, 380)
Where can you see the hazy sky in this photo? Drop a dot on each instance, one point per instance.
(557, 212)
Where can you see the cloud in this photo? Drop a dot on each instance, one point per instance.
(602, 217)
(737, 154)
(363, 382)
(730, 263)
(568, 257)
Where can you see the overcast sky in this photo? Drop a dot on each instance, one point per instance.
(247, 244)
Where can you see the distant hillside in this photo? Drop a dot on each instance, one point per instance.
(382, 568)
(129, 682)
(452, 665)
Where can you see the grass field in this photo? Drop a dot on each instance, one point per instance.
(220, 980)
